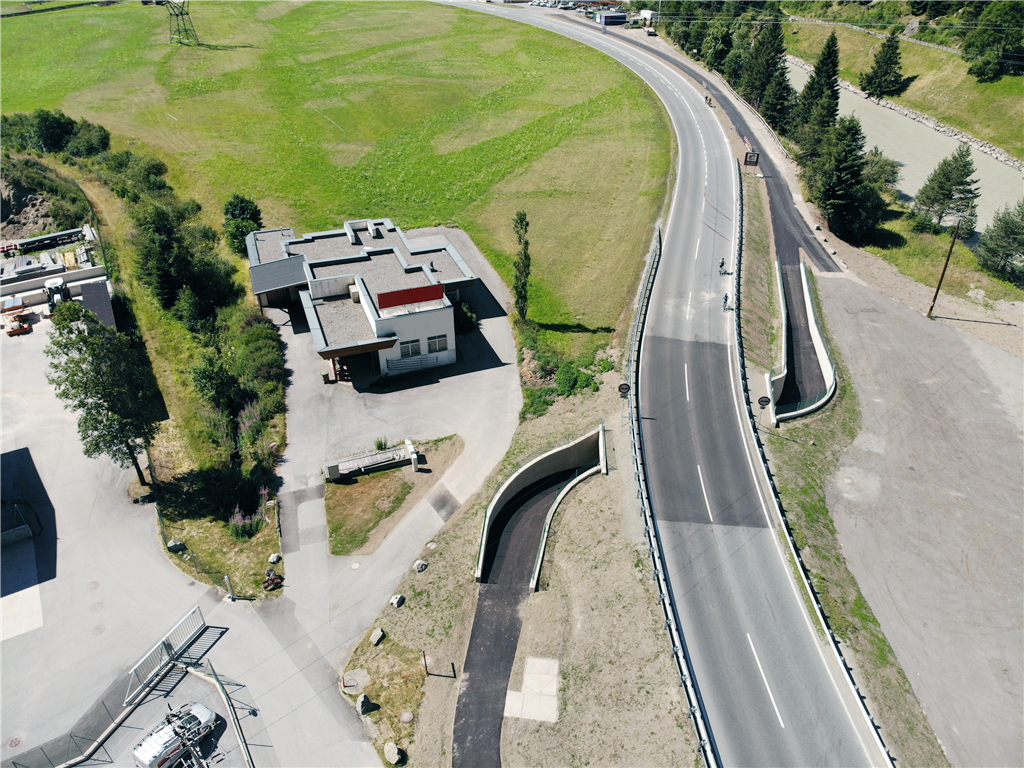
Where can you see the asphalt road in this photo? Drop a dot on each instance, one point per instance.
(804, 380)
(769, 695)
(508, 565)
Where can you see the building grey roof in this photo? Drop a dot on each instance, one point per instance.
(96, 298)
(267, 245)
(275, 275)
(375, 250)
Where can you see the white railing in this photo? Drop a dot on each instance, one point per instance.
(164, 652)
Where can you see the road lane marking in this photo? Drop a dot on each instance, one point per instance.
(702, 490)
(688, 297)
(686, 371)
(696, 250)
(759, 669)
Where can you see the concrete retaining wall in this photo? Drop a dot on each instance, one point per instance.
(579, 453)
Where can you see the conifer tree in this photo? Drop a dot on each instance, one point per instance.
(824, 80)
(766, 58)
(950, 191)
(886, 76)
(1002, 245)
(836, 184)
(777, 106)
(811, 133)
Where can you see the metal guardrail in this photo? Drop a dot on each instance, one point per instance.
(777, 500)
(164, 652)
(686, 675)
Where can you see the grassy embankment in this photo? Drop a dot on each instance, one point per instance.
(423, 113)
(941, 86)
(325, 112)
(805, 454)
(922, 255)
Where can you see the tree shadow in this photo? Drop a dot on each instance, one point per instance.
(906, 83)
(213, 492)
(126, 322)
(884, 238)
(221, 47)
(574, 328)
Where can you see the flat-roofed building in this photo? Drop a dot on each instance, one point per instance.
(365, 289)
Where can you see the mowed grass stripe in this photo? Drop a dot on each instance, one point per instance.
(424, 113)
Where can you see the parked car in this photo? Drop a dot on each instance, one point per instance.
(166, 744)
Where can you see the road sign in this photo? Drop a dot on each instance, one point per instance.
(763, 401)
(751, 158)
(623, 389)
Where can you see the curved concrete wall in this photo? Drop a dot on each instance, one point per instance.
(551, 514)
(828, 370)
(579, 453)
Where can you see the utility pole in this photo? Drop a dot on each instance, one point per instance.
(944, 267)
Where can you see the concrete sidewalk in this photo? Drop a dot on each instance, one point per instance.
(329, 602)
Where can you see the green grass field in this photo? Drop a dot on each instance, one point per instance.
(941, 88)
(329, 111)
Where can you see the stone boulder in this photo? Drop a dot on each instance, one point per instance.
(377, 636)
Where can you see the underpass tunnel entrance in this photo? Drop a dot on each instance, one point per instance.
(515, 525)
(515, 532)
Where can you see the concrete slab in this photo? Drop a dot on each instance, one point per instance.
(928, 507)
(539, 698)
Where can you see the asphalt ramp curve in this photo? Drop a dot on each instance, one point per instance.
(508, 566)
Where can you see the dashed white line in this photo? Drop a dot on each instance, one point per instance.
(708, 505)
(686, 377)
(696, 250)
(765, 679)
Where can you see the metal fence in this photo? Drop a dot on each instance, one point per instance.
(164, 652)
(686, 676)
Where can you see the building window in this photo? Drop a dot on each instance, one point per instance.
(411, 348)
(436, 344)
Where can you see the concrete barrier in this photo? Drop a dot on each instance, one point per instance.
(579, 453)
(70, 278)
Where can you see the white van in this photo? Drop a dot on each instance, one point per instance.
(164, 746)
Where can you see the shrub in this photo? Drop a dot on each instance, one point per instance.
(566, 378)
(242, 528)
(380, 443)
(465, 318)
(536, 401)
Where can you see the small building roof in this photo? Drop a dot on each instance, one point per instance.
(274, 275)
(96, 298)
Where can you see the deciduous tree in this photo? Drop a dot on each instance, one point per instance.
(521, 282)
(106, 377)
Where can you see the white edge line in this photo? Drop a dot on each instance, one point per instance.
(702, 490)
(765, 679)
